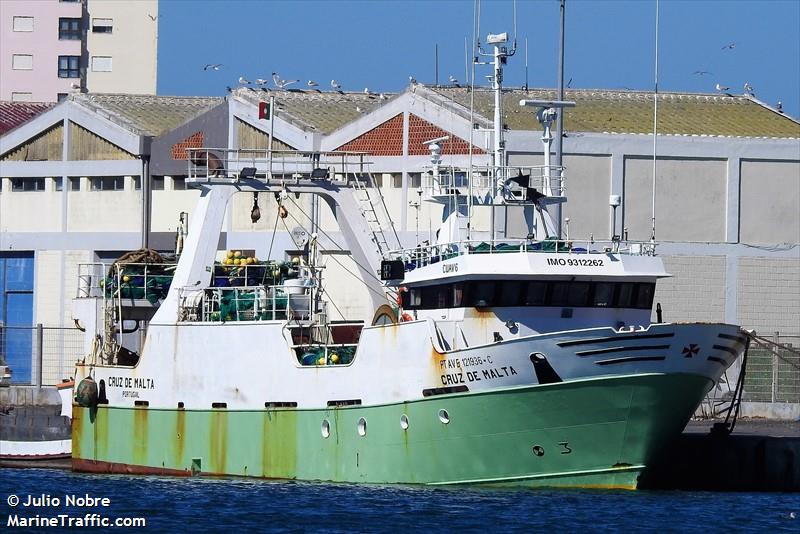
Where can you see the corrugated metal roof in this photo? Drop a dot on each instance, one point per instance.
(12, 114)
(317, 111)
(147, 114)
(631, 112)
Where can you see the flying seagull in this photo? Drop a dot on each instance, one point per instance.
(701, 72)
(729, 46)
(722, 88)
(280, 83)
(748, 89)
(243, 81)
(153, 18)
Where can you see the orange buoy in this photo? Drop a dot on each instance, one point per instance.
(406, 317)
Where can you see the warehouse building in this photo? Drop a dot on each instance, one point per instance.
(100, 174)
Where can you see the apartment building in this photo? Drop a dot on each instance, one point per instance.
(52, 48)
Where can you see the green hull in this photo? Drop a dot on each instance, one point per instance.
(600, 433)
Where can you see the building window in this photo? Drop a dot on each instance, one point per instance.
(137, 183)
(23, 24)
(62, 96)
(157, 183)
(69, 66)
(102, 25)
(179, 184)
(74, 183)
(22, 62)
(397, 180)
(101, 63)
(21, 97)
(108, 183)
(27, 184)
(69, 29)
(58, 184)
(414, 180)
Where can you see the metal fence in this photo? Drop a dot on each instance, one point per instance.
(40, 355)
(773, 369)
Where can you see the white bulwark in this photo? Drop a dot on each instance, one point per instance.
(98, 175)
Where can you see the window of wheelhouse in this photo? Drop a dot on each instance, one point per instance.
(508, 293)
(603, 294)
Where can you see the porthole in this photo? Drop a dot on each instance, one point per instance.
(326, 429)
(362, 427)
(444, 417)
(404, 422)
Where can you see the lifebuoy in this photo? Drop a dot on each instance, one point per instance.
(406, 317)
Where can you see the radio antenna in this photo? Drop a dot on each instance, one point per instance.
(655, 134)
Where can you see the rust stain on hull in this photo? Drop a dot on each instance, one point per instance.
(218, 440)
(140, 435)
(180, 436)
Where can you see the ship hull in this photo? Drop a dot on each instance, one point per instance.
(595, 432)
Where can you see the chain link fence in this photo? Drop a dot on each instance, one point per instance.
(773, 369)
(40, 355)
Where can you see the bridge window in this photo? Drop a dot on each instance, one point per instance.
(603, 294)
(536, 294)
(509, 293)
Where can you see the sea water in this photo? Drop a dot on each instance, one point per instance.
(47, 500)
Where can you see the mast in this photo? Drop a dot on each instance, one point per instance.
(497, 85)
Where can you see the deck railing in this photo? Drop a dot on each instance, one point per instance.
(207, 164)
(427, 254)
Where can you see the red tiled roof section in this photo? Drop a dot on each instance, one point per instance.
(386, 139)
(420, 130)
(12, 114)
(180, 150)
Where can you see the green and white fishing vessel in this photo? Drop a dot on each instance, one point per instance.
(485, 358)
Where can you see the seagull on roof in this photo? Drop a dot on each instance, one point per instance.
(722, 88)
(335, 85)
(729, 46)
(453, 80)
(358, 109)
(280, 83)
(261, 81)
(311, 84)
(702, 72)
(243, 81)
(366, 91)
(212, 66)
(748, 89)
(779, 106)
(411, 79)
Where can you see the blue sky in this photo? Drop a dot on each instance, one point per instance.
(380, 43)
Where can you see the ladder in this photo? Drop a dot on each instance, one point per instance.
(370, 206)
